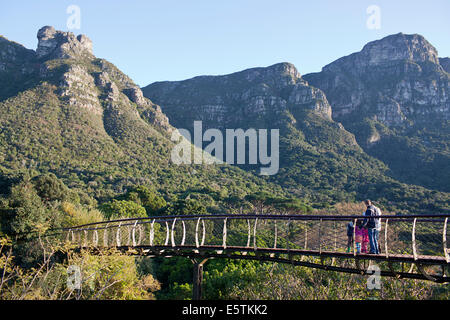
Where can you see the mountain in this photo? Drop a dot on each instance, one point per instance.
(65, 111)
(317, 153)
(394, 96)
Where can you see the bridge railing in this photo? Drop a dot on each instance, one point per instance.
(414, 236)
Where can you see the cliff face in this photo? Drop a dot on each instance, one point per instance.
(390, 101)
(315, 151)
(250, 98)
(62, 109)
(65, 111)
(17, 65)
(394, 80)
(83, 81)
(394, 95)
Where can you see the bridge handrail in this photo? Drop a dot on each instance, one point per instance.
(427, 217)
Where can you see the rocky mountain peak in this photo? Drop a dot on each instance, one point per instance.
(280, 74)
(285, 68)
(58, 44)
(413, 47)
(396, 80)
(397, 47)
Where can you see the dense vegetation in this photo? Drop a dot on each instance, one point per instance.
(35, 267)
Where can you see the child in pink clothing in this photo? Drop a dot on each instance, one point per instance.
(359, 236)
(365, 240)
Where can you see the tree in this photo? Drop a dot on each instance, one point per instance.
(151, 201)
(50, 188)
(187, 207)
(116, 209)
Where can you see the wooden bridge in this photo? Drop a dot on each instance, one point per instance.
(414, 247)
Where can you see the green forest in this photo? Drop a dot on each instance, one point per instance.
(34, 267)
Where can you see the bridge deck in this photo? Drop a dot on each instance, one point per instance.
(408, 242)
(298, 252)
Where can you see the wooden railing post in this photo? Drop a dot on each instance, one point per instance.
(167, 234)
(306, 235)
(118, 235)
(224, 235)
(288, 244)
(413, 236)
(354, 237)
(335, 236)
(386, 225)
(105, 236)
(196, 233)
(320, 236)
(152, 233)
(203, 233)
(133, 235)
(254, 234)
(85, 243)
(249, 233)
(95, 237)
(184, 233)
(172, 238)
(275, 235)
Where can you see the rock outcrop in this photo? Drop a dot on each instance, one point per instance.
(394, 96)
(62, 45)
(394, 80)
(90, 83)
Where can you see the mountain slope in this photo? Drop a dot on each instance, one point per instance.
(316, 153)
(81, 118)
(394, 95)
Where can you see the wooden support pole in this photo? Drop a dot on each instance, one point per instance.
(197, 279)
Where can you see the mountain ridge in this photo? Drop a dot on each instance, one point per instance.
(81, 118)
(398, 108)
(251, 99)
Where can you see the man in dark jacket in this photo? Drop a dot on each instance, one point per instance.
(371, 223)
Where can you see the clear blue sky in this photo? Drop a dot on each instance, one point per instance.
(158, 40)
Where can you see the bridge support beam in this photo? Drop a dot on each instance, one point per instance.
(197, 279)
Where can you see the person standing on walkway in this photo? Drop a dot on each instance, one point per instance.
(370, 222)
(378, 227)
(349, 236)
